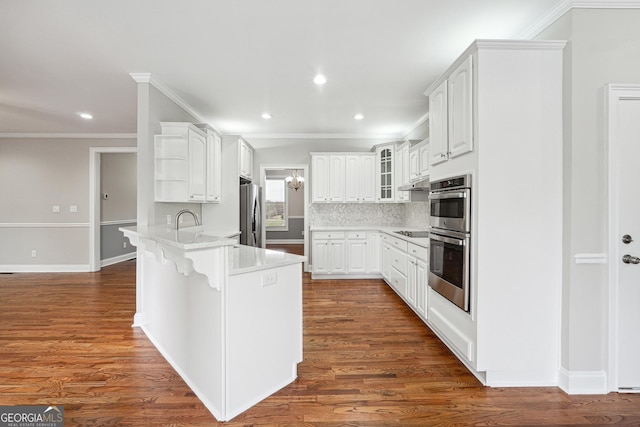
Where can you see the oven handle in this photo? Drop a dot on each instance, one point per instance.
(455, 195)
(450, 240)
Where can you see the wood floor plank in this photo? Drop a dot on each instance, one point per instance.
(67, 339)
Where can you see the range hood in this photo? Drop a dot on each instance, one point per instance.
(422, 185)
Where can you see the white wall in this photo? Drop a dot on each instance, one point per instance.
(35, 175)
(604, 47)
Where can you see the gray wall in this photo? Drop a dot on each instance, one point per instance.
(603, 47)
(118, 181)
(36, 174)
(155, 107)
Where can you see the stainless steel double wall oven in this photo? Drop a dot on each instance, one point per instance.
(449, 237)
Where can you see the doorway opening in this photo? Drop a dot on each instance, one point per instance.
(285, 212)
(116, 248)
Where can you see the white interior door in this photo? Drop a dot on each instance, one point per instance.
(625, 129)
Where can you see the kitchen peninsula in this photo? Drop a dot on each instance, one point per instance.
(227, 317)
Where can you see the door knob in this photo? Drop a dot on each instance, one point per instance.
(630, 259)
(627, 239)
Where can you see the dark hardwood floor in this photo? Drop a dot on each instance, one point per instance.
(67, 339)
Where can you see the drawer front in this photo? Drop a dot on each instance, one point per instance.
(399, 260)
(356, 235)
(398, 282)
(418, 251)
(397, 243)
(325, 235)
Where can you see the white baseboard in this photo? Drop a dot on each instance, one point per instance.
(50, 268)
(117, 259)
(285, 241)
(583, 382)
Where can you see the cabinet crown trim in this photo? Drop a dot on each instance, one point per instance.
(486, 44)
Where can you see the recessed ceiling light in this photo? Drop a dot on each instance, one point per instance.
(319, 79)
(266, 116)
(358, 116)
(86, 116)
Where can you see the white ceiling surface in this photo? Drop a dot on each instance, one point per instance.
(233, 60)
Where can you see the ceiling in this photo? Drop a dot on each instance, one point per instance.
(232, 60)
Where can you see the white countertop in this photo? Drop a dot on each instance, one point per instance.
(420, 241)
(245, 259)
(188, 238)
(242, 259)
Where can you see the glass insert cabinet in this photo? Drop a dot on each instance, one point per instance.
(385, 170)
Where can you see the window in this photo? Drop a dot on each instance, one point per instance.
(276, 204)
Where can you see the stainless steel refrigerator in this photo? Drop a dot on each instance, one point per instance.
(250, 215)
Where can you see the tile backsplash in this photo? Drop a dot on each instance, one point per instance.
(413, 215)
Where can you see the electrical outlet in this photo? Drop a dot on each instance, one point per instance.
(34, 253)
(73, 208)
(55, 209)
(270, 278)
(168, 219)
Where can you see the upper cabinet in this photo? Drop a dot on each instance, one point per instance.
(402, 171)
(419, 161)
(327, 177)
(246, 160)
(214, 167)
(451, 114)
(179, 163)
(187, 165)
(360, 177)
(385, 188)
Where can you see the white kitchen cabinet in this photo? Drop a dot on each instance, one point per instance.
(360, 177)
(422, 282)
(214, 167)
(451, 114)
(414, 164)
(402, 171)
(328, 254)
(460, 109)
(417, 257)
(180, 163)
(246, 160)
(320, 178)
(438, 124)
(423, 159)
(373, 252)
(405, 269)
(357, 252)
(346, 253)
(513, 91)
(385, 179)
(419, 161)
(328, 177)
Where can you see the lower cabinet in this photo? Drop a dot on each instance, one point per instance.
(328, 252)
(405, 268)
(355, 253)
(417, 277)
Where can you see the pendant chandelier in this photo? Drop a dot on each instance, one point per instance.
(295, 181)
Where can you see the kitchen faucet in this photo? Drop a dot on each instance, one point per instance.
(183, 211)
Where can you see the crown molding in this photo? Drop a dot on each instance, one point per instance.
(415, 126)
(69, 135)
(564, 6)
(320, 136)
(148, 78)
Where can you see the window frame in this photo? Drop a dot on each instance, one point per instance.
(284, 227)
